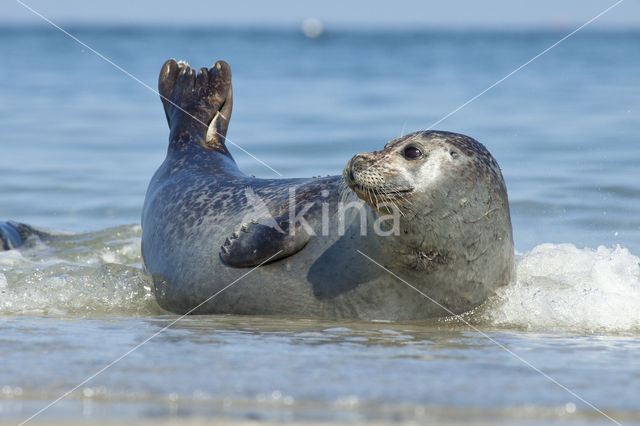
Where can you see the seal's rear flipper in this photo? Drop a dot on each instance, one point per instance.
(197, 105)
(13, 234)
(256, 243)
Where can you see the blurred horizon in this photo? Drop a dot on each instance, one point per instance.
(337, 29)
(412, 15)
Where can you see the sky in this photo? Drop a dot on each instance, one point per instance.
(455, 14)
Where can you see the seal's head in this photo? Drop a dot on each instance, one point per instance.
(451, 199)
(422, 171)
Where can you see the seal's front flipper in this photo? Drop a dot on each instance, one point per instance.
(255, 243)
(13, 234)
(197, 105)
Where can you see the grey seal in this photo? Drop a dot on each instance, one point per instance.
(435, 213)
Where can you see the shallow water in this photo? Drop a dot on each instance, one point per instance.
(80, 141)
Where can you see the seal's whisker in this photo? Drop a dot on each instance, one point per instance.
(401, 196)
(345, 193)
(396, 198)
(396, 203)
(398, 208)
(375, 195)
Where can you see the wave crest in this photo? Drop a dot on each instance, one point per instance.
(562, 287)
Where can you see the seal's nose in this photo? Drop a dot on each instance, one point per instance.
(358, 158)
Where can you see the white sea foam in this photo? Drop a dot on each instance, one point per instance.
(562, 287)
(86, 274)
(109, 289)
(11, 258)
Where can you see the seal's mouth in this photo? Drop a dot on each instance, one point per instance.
(386, 193)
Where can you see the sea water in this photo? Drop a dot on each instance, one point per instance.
(80, 141)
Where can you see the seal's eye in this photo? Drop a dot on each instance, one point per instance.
(411, 152)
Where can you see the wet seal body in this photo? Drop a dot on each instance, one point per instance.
(206, 225)
(13, 235)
